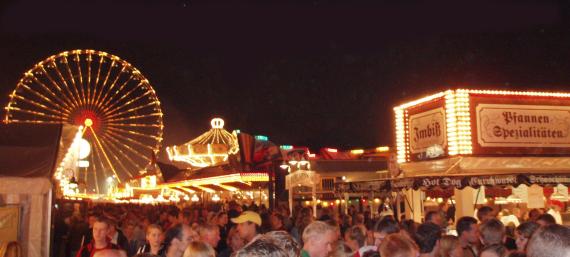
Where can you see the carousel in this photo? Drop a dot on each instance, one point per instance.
(204, 170)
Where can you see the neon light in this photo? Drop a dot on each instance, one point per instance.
(286, 147)
(261, 138)
(331, 150)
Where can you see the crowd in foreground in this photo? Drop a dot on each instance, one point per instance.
(146, 231)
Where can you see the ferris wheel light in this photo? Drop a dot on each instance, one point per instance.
(88, 122)
(111, 100)
(84, 148)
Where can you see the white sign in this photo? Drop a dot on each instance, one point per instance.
(522, 192)
(427, 129)
(504, 125)
(535, 197)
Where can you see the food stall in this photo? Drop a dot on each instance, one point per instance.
(465, 139)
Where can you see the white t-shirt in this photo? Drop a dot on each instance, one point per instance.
(556, 216)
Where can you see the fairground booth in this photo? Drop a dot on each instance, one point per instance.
(503, 148)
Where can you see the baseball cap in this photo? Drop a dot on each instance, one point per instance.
(248, 216)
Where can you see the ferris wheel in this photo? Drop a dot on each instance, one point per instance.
(117, 107)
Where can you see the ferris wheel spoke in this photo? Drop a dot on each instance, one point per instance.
(33, 121)
(64, 100)
(64, 82)
(105, 154)
(115, 143)
(114, 138)
(91, 168)
(111, 87)
(127, 94)
(134, 125)
(72, 79)
(96, 84)
(114, 156)
(136, 117)
(37, 104)
(42, 114)
(43, 97)
(113, 113)
(104, 83)
(88, 78)
(130, 132)
(97, 156)
(106, 104)
(77, 60)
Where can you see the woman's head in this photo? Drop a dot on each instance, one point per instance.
(523, 233)
(199, 249)
(495, 250)
(449, 247)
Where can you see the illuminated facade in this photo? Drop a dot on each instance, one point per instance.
(461, 113)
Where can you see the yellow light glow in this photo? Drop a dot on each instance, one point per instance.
(376, 200)
(88, 122)
(357, 151)
(382, 149)
(332, 150)
(337, 201)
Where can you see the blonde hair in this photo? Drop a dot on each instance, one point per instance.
(397, 245)
(199, 249)
(316, 230)
(447, 244)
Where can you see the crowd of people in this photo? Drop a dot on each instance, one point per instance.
(235, 230)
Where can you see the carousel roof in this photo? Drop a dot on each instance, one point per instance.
(210, 148)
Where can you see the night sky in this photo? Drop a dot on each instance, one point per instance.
(313, 73)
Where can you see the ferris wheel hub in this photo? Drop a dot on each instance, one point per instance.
(88, 122)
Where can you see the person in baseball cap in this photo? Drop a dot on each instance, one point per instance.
(248, 225)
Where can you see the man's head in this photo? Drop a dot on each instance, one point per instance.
(100, 230)
(397, 245)
(177, 238)
(492, 232)
(435, 218)
(550, 241)
(209, 234)
(467, 230)
(355, 237)
(154, 235)
(319, 239)
(222, 218)
(427, 237)
(248, 225)
(485, 213)
(545, 220)
(383, 228)
(173, 216)
(276, 221)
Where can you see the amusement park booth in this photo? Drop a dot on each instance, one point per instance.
(30, 154)
(464, 139)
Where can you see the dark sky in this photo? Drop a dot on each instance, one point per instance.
(315, 73)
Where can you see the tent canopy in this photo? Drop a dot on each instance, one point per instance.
(30, 150)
